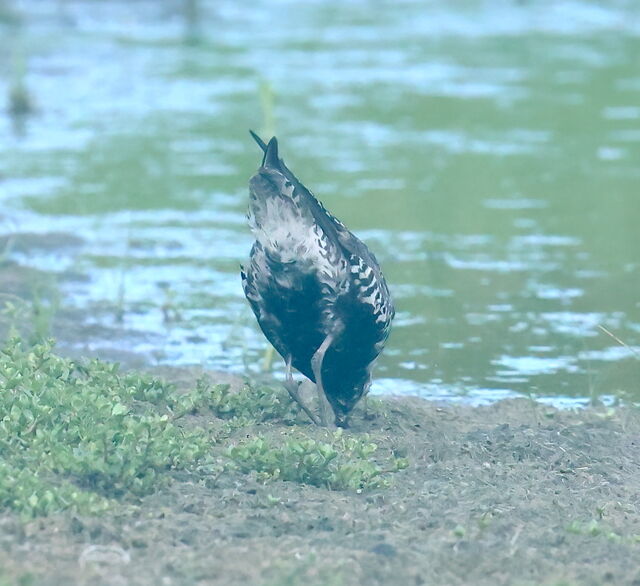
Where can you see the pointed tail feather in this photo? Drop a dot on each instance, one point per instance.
(271, 159)
(270, 151)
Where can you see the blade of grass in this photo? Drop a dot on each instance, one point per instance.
(612, 335)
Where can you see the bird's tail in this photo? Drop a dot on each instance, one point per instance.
(270, 150)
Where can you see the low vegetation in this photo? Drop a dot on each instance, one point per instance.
(76, 435)
(81, 435)
(341, 463)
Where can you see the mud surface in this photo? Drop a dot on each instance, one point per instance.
(32, 305)
(514, 493)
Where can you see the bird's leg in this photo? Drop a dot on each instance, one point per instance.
(326, 411)
(292, 388)
(368, 415)
(316, 365)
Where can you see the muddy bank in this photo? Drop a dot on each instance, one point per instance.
(514, 493)
(33, 305)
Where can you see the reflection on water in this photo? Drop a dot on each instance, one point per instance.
(488, 153)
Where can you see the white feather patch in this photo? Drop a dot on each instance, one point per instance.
(290, 234)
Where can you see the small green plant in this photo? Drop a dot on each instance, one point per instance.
(267, 103)
(30, 319)
(249, 404)
(19, 99)
(169, 307)
(258, 403)
(593, 528)
(459, 531)
(20, 102)
(343, 463)
(74, 436)
(5, 250)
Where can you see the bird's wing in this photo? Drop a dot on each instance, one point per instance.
(354, 250)
(370, 289)
(253, 273)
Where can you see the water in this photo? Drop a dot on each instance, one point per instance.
(488, 152)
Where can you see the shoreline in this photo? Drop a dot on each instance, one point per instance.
(516, 492)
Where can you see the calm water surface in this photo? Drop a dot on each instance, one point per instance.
(488, 152)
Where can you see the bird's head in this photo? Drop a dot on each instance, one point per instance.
(343, 402)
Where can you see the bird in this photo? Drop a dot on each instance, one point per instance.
(317, 291)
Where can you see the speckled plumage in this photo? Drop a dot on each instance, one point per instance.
(313, 285)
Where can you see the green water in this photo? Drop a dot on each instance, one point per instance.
(488, 152)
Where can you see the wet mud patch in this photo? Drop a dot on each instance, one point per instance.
(513, 493)
(32, 305)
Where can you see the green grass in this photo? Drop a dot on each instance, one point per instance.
(342, 463)
(83, 435)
